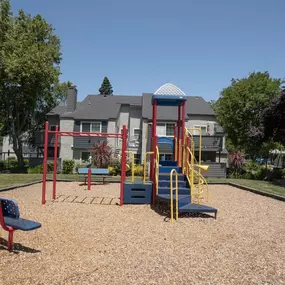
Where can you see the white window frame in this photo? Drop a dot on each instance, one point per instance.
(91, 122)
(81, 151)
(137, 129)
(199, 126)
(50, 126)
(165, 123)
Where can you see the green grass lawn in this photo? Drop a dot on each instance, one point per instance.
(263, 186)
(7, 180)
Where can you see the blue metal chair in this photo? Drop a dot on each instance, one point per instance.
(10, 219)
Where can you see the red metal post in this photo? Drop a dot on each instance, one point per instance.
(183, 133)
(45, 164)
(10, 230)
(178, 134)
(123, 163)
(89, 179)
(154, 176)
(55, 163)
(153, 135)
(174, 141)
(10, 240)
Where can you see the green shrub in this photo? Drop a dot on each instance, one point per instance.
(36, 170)
(12, 162)
(138, 170)
(247, 175)
(115, 162)
(19, 169)
(50, 166)
(112, 171)
(251, 166)
(261, 174)
(39, 168)
(2, 165)
(67, 166)
(78, 165)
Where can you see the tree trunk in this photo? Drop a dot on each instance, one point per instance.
(18, 149)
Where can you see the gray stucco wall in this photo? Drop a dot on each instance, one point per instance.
(144, 138)
(66, 147)
(135, 119)
(111, 128)
(6, 146)
(123, 118)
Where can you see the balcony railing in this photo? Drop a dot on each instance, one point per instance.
(209, 143)
(39, 139)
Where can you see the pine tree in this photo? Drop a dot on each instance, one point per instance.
(106, 87)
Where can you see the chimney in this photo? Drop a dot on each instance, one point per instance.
(71, 98)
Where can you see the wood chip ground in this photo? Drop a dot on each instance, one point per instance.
(86, 238)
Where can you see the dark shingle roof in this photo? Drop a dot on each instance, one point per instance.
(58, 110)
(103, 108)
(99, 107)
(194, 106)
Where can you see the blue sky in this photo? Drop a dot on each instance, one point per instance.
(198, 45)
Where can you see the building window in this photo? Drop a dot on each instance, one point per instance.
(96, 127)
(203, 130)
(137, 133)
(91, 127)
(137, 158)
(170, 129)
(165, 129)
(85, 155)
(52, 128)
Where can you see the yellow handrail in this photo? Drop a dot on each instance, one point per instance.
(144, 166)
(133, 164)
(191, 176)
(173, 171)
(157, 169)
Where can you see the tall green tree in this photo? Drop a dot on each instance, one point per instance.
(240, 106)
(274, 119)
(29, 74)
(212, 103)
(106, 87)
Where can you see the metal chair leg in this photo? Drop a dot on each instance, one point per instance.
(10, 240)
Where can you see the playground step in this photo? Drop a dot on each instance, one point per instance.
(166, 176)
(181, 190)
(166, 183)
(197, 208)
(168, 163)
(182, 199)
(168, 169)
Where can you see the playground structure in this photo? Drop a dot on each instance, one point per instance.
(57, 134)
(190, 186)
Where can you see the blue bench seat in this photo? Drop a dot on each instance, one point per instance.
(21, 224)
(94, 171)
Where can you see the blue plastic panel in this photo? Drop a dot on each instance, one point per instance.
(102, 171)
(137, 193)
